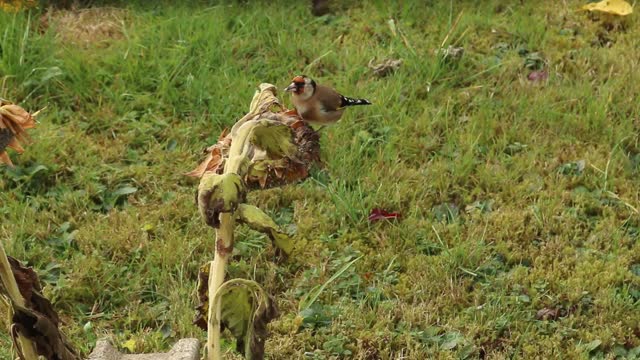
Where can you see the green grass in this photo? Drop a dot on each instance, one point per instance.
(499, 218)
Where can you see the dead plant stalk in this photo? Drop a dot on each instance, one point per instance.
(224, 244)
(28, 348)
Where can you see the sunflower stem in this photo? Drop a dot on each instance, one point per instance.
(238, 156)
(224, 244)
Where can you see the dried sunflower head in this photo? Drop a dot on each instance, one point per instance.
(14, 121)
(282, 150)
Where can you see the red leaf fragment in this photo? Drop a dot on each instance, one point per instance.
(539, 75)
(381, 214)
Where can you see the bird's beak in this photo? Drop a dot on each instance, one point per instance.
(291, 87)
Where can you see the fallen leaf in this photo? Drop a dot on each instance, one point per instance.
(385, 68)
(538, 75)
(614, 7)
(381, 214)
(548, 314)
(480, 206)
(451, 340)
(451, 53)
(515, 148)
(572, 168)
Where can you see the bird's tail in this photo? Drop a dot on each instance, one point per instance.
(347, 101)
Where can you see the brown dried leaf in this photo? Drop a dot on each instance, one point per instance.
(18, 115)
(263, 315)
(386, 67)
(27, 280)
(272, 173)
(14, 121)
(548, 314)
(211, 163)
(15, 145)
(203, 297)
(6, 137)
(5, 159)
(216, 153)
(224, 134)
(38, 321)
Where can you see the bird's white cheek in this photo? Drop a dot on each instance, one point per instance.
(305, 95)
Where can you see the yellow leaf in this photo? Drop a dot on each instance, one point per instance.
(130, 345)
(616, 7)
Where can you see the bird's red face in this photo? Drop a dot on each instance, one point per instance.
(297, 85)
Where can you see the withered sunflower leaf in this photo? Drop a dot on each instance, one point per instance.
(258, 220)
(219, 194)
(246, 311)
(274, 138)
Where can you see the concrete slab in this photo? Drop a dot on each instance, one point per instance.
(185, 349)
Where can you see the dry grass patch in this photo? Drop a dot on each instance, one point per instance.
(90, 27)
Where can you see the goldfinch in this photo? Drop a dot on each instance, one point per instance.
(319, 104)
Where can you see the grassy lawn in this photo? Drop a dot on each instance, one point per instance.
(519, 198)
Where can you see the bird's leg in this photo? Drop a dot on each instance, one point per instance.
(292, 112)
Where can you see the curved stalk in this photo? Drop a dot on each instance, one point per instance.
(238, 157)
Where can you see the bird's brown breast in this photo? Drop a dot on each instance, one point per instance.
(305, 108)
(322, 107)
